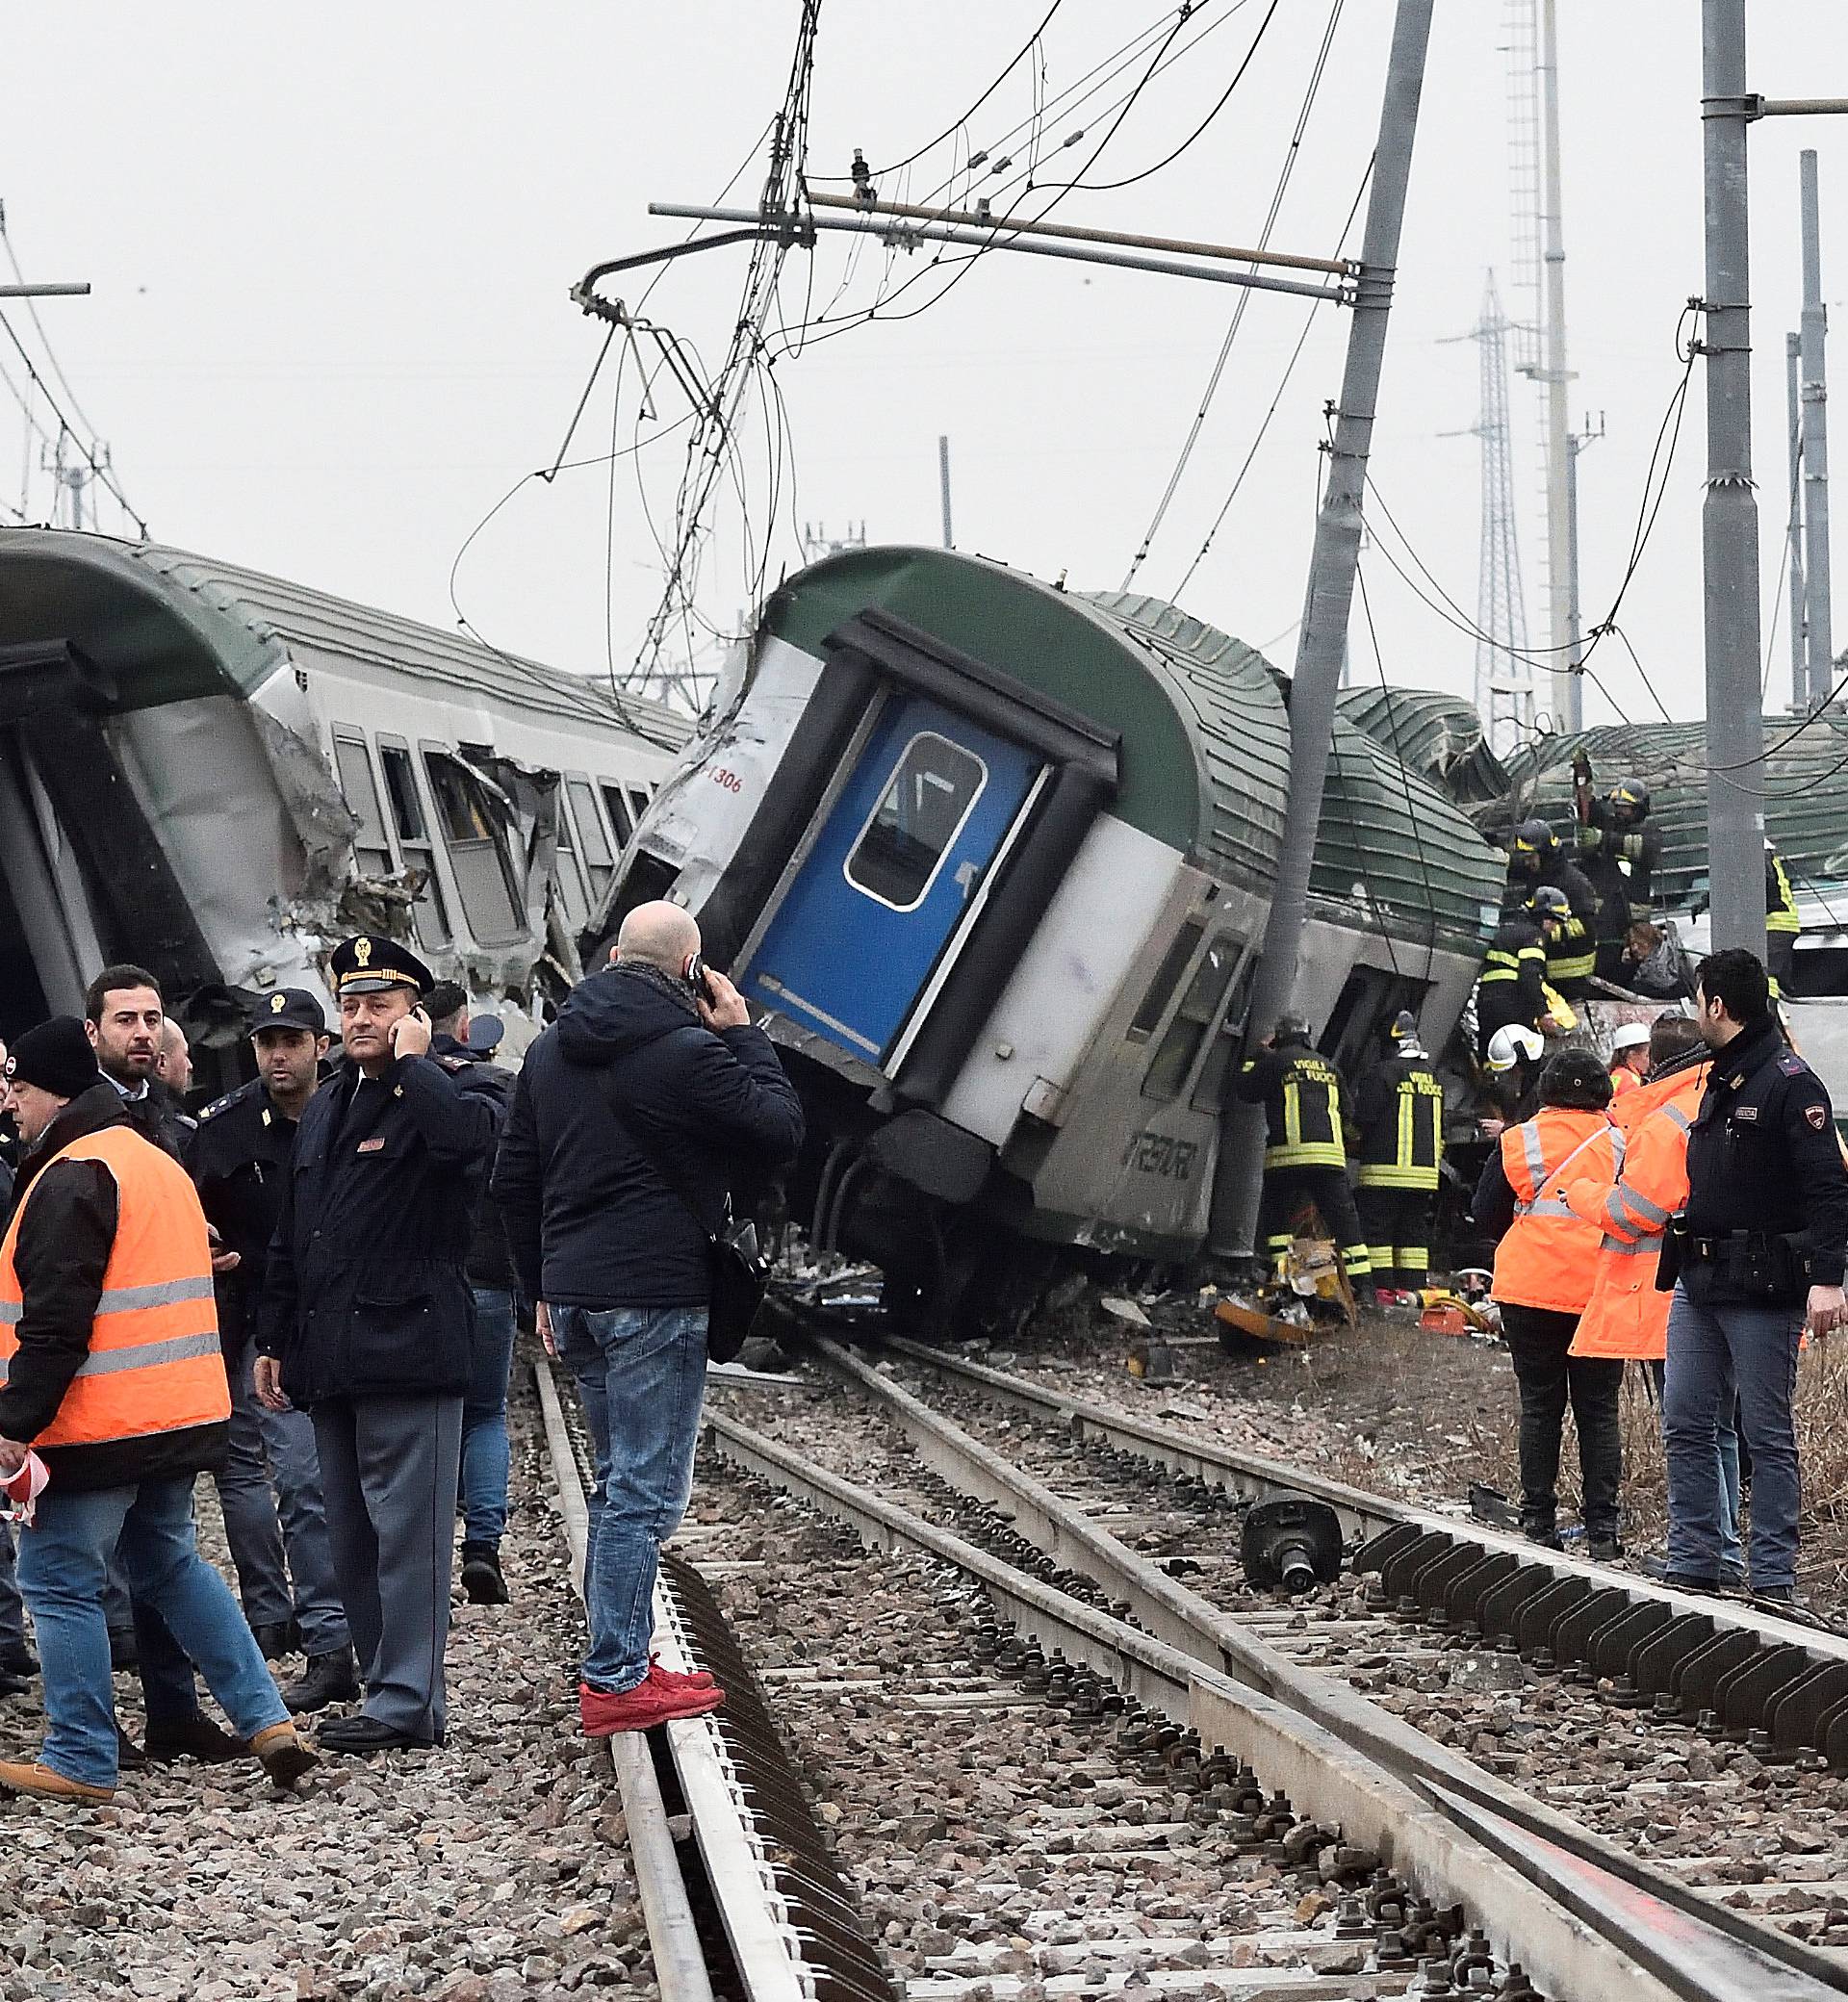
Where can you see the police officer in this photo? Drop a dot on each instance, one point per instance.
(1758, 1256)
(473, 1041)
(366, 1321)
(1305, 1157)
(240, 1167)
(1782, 924)
(1398, 1123)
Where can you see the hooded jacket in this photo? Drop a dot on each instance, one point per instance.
(626, 1100)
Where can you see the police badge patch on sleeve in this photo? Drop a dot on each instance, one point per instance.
(1817, 1115)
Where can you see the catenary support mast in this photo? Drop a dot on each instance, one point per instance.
(1793, 530)
(1562, 567)
(1329, 597)
(1729, 513)
(1820, 639)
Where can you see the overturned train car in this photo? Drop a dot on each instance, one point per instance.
(217, 774)
(992, 862)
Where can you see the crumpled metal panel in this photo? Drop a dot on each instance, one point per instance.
(1435, 733)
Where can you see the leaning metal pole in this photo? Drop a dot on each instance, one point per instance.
(1332, 565)
(1562, 572)
(1815, 449)
(1793, 528)
(1729, 513)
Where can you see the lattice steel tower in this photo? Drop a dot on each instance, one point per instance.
(1503, 681)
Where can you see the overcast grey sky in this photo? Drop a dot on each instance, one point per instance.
(331, 250)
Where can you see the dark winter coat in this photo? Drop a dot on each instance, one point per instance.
(240, 1166)
(592, 1220)
(65, 1238)
(490, 1262)
(366, 1292)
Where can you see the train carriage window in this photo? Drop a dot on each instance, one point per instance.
(1168, 977)
(564, 869)
(600, 864)
(483, 879)
(429, 914)
(371, 852)
(1368, 1001)
(1214, 1088)
(639, 798)
(932, 788)
(621, 821)
(1199, 1009)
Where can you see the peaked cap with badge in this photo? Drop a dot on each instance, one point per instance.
(289, 1008)
(370, 964)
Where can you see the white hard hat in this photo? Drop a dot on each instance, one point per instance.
(1627, 1036)
(1508, 1045)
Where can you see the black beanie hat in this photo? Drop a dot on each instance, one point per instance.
(1576, 1081)
(57, 1057)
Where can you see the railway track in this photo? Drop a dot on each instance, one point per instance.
(1238, 1671)
(738, 1890)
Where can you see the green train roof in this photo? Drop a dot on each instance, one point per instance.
(1435, 733)
(1204, 724)
(169, 624)
(1805, 778)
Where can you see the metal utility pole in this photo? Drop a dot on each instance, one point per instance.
(1815, 449)
(943, 482)
(1729, 513)
(1570, 711)
(1793, 532)
(1562, 565)
(1329, 597)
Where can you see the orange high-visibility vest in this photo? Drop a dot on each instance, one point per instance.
(1625, 1316)
(1545, 1257)
(154, 1364)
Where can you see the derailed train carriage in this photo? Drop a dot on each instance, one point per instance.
(994, 861)
(215, 774)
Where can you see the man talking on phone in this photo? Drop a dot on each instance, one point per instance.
(366, 1320)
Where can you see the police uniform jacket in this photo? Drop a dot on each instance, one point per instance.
(1301, 1092)
(366, 1292)
(1763, 1157)
(240, 1162)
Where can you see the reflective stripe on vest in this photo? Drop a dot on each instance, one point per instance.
(155, 1364)
(1546, 1257)
(1782, 914)
(1293, 1150)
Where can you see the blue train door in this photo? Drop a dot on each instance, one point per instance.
(899, 858)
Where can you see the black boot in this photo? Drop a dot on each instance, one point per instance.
(191, 1737)
(331, 1678)
(481, 1576)
(277, 1638)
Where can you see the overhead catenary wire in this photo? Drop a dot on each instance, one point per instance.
(1292, 153)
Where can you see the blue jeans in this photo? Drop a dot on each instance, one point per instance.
(64, 1558)
(12, 1611)
(641, 1373)
(1711, 1351)
(484, 1419)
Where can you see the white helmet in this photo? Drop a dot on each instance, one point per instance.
(1628, 1036)
(1507, 1046)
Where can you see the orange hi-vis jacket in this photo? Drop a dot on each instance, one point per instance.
(155, 1364)
(1545, 1256)
(1625, 1316)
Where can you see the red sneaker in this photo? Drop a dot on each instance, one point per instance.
(649, 1704)
(680, 1678)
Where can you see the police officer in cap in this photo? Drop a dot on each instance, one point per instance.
(240, 1164)
(366, 1321)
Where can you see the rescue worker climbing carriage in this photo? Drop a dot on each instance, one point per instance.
(1305, 1155)
(1399, 1130)
(1620, 850)
(1538, 864)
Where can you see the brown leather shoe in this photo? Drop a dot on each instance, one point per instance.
(46, 1784)
(282, 1754)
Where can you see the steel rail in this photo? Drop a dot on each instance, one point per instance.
(1551, 1912)
(1710, 1954)
(674, 1940)
(1252, 1476)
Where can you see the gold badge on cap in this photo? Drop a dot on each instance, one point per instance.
(363, 951)
(277, 1003)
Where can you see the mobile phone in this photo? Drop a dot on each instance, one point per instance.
(694, 974)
